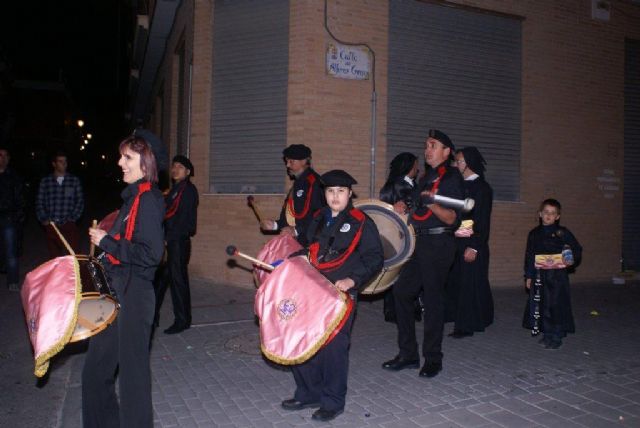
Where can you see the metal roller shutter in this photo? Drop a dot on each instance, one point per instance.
(459, 71)
(631, 194)
(249, 111)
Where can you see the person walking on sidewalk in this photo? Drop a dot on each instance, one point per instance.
(133, 247)
(12, 217)
(180, 222)
(60, 201)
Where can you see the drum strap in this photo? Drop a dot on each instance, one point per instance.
(173, 208)
(307, 202)
(337, 262)
(131, 221)
(436, 183)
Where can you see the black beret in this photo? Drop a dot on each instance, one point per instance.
(337, 178)
(442, 137)
(185, 162)
(297, 152)
(158, 148)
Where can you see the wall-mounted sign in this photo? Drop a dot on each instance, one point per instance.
(608, 183)
(348, 62)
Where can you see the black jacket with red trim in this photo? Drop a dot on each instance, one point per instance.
(143, 253)
(334, 240)
(182, 224)
(302, 191)
(450, 185)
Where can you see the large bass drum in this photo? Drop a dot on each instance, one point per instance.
(398, 241)
(98, 305)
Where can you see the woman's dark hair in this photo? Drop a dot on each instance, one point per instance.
(148, 163)
(399, 167)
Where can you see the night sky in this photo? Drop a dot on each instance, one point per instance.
(85, 42)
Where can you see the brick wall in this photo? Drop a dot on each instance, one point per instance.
(572, 125)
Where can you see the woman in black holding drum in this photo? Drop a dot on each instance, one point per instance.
(134, 248)
(397, 191)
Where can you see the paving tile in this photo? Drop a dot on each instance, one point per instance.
(565, 397)
(560, 409)
(606, 412)
(591, 420)
(516, 406)
(606, 398)
(508, 419)
(464, 417)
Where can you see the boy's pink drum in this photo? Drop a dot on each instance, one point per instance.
(300, 311)
(398, 241)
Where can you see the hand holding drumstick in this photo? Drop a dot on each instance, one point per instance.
(95, 235)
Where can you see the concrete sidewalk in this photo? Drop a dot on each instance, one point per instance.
(214, 375)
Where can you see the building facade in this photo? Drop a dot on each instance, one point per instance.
(547, 90)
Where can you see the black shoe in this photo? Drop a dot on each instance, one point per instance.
(390, 317)
(325, 415)
(176, 328)
(459, 334)
(399, 363)
(431, 369)
(293, 404)
(553, 345)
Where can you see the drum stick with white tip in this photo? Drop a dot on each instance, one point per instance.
(233, 251)
(464, 205)
(92, 247)
(251, 201)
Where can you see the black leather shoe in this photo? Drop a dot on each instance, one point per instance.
(390, 317)
(176, 328)
(400, 363)
(293, 404)
(554, 344)
(459, 334)
(325, 415)
(431, 369)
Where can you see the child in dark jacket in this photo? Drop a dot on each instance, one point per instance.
(551, 251)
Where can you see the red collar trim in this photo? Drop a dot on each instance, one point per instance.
(336, 263)
(307, 202)
(131, 221)
(434, 188)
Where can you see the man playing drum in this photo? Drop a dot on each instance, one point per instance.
(304, 198)
(429, 266)
(345, 247)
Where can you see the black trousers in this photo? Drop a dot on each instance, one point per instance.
(323, 378)
(426, 272)
(122, 348)
(176, 273)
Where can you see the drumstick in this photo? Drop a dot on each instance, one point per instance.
(233, 251)
(92, 247)
(253, 204)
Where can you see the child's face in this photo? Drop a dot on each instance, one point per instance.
(549, 215)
